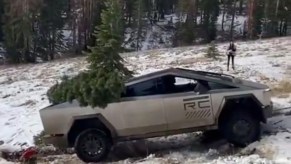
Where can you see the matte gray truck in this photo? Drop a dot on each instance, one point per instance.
(163, 103)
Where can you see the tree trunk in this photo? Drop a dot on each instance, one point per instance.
(285, 28)
(139, 19)
(84, 24)
(74, 34)
(281, 28)
(241, 2)
(251, 20)
(245, 29)
(27, 57)
(72, 9)
(232, 20)
(277, 7)
(191, 13)
(195, 4)
(223, 16)
(201, 17)
(53, 44)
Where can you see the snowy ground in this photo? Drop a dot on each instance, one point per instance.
(23, 89)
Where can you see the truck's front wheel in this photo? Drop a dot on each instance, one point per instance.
(241, 128)
(92, 146)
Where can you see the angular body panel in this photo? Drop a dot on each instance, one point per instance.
(188, 111)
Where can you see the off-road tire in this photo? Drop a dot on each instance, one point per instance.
(248, 126)
(82, 145)
(210, 136)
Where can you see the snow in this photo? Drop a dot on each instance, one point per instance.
(154, 37)
(145, 46)
(2, 51)
(274, 147)
(238, 22)
(3, 161)
(23, 93)
(19, 125)
(67, 34)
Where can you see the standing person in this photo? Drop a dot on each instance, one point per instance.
(231, 54)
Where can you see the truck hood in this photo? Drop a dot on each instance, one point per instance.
(251, 84)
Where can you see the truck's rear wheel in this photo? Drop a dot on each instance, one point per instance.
(210, 136)
(92, 146)
(241, 128)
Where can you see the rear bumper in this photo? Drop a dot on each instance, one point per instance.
(57, 141)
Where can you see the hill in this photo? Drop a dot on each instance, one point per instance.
(23, 93)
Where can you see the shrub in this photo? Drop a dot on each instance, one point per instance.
(212, 51)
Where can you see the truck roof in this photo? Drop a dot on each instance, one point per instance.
(200, 75)
(183, 73)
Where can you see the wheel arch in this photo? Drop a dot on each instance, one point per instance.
(247, 102)
(81, 123)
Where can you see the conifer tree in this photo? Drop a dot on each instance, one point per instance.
(19, 21)
(185, 34)
(210, 15)
(103, 83)
(129, 12)
(49, 37)
(139, 22)
(1, 21)
(212, 51)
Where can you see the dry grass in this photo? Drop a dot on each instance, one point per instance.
(28, 103)
(266, 152)
(264, 78)
(277, 56)
(283, 89)
(38, 139)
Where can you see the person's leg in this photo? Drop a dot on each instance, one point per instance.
(233, 62)
(228, 60)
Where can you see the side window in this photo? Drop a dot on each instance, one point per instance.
(146, 88)
(216, 86)
(170, 85)
(184, 81)
(173, 84)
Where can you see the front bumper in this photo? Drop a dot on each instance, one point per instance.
(57, 141)
(268, 111)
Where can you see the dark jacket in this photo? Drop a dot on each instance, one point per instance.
(231, 49)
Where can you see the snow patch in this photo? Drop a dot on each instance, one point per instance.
(3, 161)
(275, 147)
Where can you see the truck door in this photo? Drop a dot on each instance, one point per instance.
(187, 107)
(188, 110)
(143, 110)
